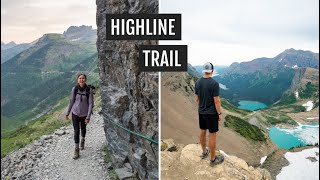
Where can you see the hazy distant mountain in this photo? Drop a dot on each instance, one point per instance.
(9, 53)
(82, 33)
(217, 69)
(193, 71)
(35, 79)
(8, 45)
(265, 79)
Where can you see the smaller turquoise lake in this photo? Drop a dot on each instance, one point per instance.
(251, 105)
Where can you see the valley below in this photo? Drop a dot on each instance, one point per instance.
(253, 131)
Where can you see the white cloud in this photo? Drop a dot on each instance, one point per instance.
(234, 30)
(3, 11)
(27, 20)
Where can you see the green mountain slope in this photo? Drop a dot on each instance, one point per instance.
(251, 86)
(9, 53)
(266, 79)
(37, 78)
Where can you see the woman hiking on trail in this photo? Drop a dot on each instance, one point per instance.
(81, 103)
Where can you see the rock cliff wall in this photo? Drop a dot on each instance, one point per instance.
(129, 97)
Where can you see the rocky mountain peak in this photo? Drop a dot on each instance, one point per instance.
(78, 28)
(48, 38)
(290, 58)
(294, 51)
(234, 64)
(298, 59)
(80, 33)
(8, 45)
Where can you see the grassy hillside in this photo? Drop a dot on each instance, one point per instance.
(40, 99)
(33, 130)
(25, 134)
(278, 117)
(309, 91)
(230, 107)
(247, 130)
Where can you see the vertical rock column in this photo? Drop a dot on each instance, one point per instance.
(129, 97)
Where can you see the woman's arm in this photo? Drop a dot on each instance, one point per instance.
(72, 99)
(90, 104)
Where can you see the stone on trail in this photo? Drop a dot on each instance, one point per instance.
(123, 173)
(60, 132)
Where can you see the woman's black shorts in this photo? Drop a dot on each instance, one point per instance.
(209, 121)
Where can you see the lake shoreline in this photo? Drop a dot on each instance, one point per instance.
(301, 135)
(251, 105)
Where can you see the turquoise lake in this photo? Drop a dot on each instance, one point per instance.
(251, 105)
(288, 138)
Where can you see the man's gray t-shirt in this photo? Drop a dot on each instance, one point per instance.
(206, 89)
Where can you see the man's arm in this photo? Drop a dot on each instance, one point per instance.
(217, 103)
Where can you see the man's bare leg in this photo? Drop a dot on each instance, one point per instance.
(203, 140)
(212, 145)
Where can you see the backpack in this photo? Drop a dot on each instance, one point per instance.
(88, 88)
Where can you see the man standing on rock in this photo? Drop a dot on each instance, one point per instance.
(209, 109)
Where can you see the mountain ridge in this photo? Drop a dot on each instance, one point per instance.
(287, 58)
(272, 77)
(7, 45)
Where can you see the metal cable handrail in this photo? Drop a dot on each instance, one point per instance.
(137, 134)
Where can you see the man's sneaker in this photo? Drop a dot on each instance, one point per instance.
(204, 155)
(216, 161)
(82, 144)
(76, 153)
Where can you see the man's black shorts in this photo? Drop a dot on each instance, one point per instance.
(209, 121)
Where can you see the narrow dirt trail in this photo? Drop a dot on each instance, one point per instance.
(50, 157)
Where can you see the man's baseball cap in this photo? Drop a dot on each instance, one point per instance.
(207, 68)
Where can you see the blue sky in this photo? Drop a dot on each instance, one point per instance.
(223, 32)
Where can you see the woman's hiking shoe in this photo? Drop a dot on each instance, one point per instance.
(216, 161)
(204, 155)
(82, 144)
(76, 153)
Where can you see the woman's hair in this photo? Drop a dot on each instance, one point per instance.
(82, 75)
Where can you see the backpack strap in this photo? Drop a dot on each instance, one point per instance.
(88, 88)
(75, 92)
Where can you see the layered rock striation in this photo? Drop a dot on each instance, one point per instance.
(129, 97)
